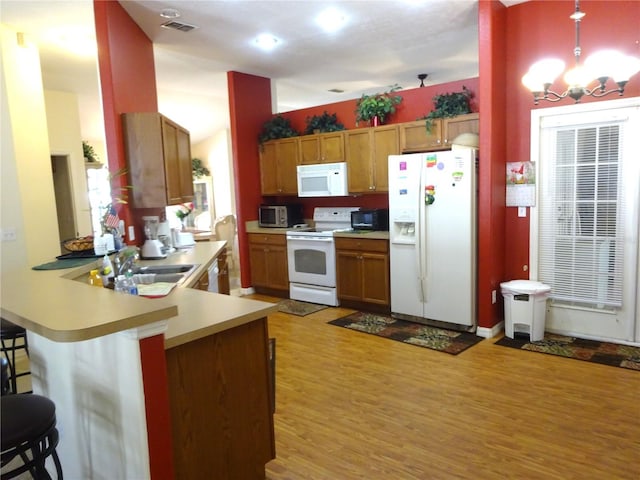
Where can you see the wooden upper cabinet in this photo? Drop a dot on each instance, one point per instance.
(454, 126)
(159, 160)
(322, 148)
(278, 161)
(414, 136)
(367, 152)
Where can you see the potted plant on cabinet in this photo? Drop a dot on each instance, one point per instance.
(276, 127)
(90, 155)
(377, 107)
(449, 105)
(323, 123)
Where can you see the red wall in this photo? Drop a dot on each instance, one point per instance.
(249, 107)
(128, 83)
(536, 30)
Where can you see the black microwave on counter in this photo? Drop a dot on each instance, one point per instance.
(376, 219)
(279, 216)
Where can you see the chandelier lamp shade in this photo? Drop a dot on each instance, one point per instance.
(598, 67)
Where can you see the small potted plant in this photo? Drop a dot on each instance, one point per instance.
(377, 107)
(89, 153)
(198, 169)
(323, 123)
(449, 105)
(277, 127)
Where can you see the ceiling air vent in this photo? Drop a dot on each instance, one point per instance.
(183, 27)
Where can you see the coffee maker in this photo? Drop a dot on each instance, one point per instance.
(152, 248)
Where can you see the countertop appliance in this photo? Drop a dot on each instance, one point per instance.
(371, 219)
(280, 216)
(312, 256)
(432, 215)
(322, 180)
(152, 247)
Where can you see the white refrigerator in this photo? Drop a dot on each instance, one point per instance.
(432, 233)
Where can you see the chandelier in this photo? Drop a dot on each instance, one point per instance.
(599, 66)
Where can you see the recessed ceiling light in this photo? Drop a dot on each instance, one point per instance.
(169, 13)
(331, 20)
(266, 42)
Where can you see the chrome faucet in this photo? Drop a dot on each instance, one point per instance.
(125, 259)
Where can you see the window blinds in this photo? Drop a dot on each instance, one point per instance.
(581, 248)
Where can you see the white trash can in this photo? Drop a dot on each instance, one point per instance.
(525, 305)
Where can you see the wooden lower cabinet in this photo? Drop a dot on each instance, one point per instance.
(221, 404)
(269, 265)
(362, 269)
(223, 276)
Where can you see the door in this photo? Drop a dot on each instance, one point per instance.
(311, 260)
(584, 231)
(64, 198)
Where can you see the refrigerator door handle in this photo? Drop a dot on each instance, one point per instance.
(421, 233)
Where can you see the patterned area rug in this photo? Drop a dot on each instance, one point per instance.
(447, 341)
(624, 356)
(301, 309)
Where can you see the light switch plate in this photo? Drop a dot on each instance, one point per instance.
(522, 211)
(9, 235)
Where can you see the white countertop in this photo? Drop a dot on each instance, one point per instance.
(52, 304)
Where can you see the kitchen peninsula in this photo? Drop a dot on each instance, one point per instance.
(145, 385)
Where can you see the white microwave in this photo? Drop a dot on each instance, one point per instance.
(323, 180)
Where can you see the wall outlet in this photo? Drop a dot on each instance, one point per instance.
(9, 235)
(494, 296)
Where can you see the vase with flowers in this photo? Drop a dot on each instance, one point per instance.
(183, 212)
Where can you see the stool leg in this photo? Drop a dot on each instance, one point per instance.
(10, 355)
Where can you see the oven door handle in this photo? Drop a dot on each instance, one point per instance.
(311, 239)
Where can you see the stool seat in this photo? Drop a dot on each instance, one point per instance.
(13, 338)
(28, 431)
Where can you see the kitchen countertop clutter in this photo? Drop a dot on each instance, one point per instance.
(53, 304)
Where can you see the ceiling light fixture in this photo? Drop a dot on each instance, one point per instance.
(422, 77)
(170, 13)
(266, 42)
(601, 65)
(331, 20)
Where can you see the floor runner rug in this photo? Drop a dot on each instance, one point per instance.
(439, 339)
(605, 353)
(298, 308)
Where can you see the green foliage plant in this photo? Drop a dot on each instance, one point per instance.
(449, 105)
(277, 127)
(323, 123)
(378, 105)
(88, 152)
(198, 169)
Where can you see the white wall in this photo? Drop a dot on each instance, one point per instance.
(215, 153)
(63, 122)
(28, 200)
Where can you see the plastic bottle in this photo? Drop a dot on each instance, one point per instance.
(94, 278)
(130, 286)
(106, 272)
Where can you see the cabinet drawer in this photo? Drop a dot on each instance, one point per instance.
(370, 245)
(268, 239)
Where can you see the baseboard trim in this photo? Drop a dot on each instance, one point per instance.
(247, 291)
(490, 332)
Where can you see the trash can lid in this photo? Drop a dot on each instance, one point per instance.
(524, 286)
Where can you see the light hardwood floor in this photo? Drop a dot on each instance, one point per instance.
(355, 406)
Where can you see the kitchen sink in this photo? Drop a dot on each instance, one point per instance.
(182, 269)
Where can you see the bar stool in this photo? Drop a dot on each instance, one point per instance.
(13, 338)
(4, 386)
(29, 434)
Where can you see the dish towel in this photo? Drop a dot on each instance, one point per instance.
(62, 264)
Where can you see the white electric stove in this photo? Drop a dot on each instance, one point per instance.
(312, 256)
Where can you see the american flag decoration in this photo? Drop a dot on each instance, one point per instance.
(112, 219)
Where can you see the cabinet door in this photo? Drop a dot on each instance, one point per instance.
(375, 278)
(461, 124)
(349, 275)
(171, 162)
(184, 165)
(258, 260)
(385, 142)
(287, 160)
(332, 147)
(415, 138)
(269, 168)
(309, 148)
(360, 173)
(277, 267)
